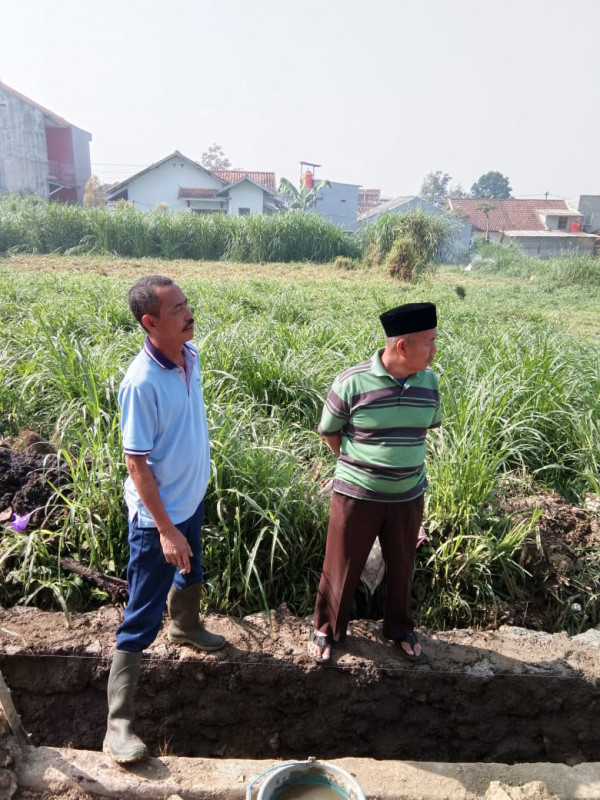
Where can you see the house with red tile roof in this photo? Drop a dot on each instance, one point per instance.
(541, 228)
(179, 184)
(41, 152)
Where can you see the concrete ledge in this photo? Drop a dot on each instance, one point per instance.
(58, 770)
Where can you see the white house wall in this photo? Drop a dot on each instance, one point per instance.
(162, 184)
(246, 195)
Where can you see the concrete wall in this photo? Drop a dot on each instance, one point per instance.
(338, 203)
(552, 222)
(246, 195)
(589, 204)
(495, 236)
(550, 246)
(81, 159)
(23, 155)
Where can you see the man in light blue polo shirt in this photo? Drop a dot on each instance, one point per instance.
(165, 439)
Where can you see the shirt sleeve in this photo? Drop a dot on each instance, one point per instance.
(437, 414)
(336, 411)
(139, 420)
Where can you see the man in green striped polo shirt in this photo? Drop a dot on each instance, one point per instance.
(375, 420)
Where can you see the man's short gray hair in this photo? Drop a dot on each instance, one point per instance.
(142, 297)
(391, 340)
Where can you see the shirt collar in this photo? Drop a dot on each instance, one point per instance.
(161, 359)
(377, 367)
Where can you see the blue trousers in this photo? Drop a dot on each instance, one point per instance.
(149, 578)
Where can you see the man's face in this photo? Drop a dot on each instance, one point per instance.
(419, 349)
(174, 324)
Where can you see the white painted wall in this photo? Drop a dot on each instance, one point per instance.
(246, 195)
(161, 185)
(552, 222)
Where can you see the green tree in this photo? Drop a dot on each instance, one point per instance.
(215, 158)
(434, 188)
(491, 186)
(301, 198)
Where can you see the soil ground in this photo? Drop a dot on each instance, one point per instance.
(66, 665)
(513, 680)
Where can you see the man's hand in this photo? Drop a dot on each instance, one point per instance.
(176, 548)
(334, 443)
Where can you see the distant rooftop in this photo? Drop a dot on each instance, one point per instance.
(512, 215)
(266, 179)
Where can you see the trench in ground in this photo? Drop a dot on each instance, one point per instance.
(271, 708)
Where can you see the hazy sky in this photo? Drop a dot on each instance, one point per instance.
(379, 92)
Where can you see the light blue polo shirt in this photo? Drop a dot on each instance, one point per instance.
(163, 418)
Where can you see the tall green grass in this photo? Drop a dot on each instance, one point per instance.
(32, 225)
(520, 411)
(566, 270)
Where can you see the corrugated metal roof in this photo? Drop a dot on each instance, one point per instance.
(558, 212)
(388, 205)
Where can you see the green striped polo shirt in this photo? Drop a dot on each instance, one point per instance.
(383, 426)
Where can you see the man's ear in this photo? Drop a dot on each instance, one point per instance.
(148, 321)
(401, 346)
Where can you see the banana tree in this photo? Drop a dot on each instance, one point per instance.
(301, 198)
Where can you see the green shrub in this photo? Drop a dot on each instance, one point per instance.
(403, 259)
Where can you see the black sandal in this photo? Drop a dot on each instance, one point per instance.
(412, 640)
(322, 641)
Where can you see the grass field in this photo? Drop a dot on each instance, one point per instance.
(520, 378)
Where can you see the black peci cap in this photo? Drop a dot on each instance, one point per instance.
(409, 318)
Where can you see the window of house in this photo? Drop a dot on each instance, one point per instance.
(243, 211)
(562, 223)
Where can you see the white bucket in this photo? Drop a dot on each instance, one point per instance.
(306, 776)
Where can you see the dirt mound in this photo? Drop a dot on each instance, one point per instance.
(562, 561)
(28, 472)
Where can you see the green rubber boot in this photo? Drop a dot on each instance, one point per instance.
(120, 741)
(185, 627)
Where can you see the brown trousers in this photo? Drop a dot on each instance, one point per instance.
(353, 527)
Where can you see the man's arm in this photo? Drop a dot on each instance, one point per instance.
(333, 442)
(175, 546)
